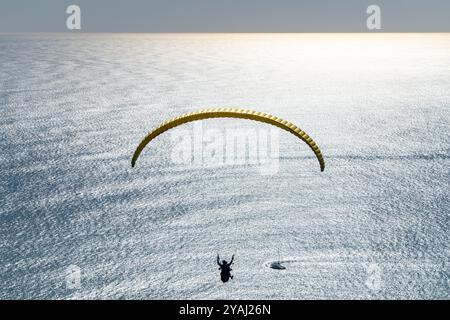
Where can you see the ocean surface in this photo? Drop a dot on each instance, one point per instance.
(375, 224)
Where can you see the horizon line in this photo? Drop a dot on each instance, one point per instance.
(217, 32)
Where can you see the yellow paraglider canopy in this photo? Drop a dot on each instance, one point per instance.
(230, 113)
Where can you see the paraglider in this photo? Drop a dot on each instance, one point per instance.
(224, 266)
(230, 113)
(225, 269)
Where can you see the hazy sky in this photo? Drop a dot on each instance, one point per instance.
(224, 15)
